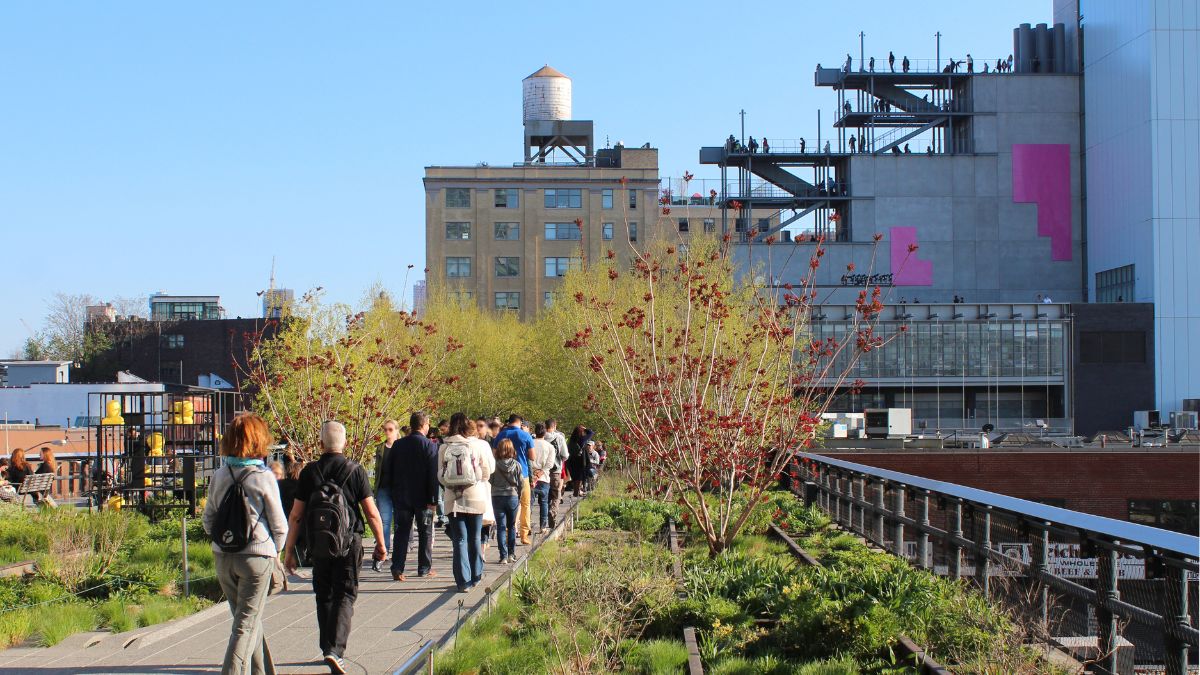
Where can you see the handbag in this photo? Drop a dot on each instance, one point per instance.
(279, 581)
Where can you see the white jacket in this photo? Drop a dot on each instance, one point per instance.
(476, 498)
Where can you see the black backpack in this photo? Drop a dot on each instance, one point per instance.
(329, 532)
(231, 529)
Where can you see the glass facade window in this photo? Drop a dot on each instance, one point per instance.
(462, 296)
(1179, 515)
(458, 230)
(508, 266)
(739, 225)
(633, 199)
(557, 267)
(458, 198)
(710, 225)
(608, 231)
(563, 231)
(606, 198)
(564, 198)
(506, 198)
(1115, 285)
(684, 225)
(548, 298)
(508, 300)
(996, 349)
(173, 341)
(184, 311)
(458, 267)
(632, 231)
(508, 231)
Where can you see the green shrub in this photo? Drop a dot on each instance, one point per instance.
(118, 615)
(595, 521)
(65, 619)
(158, 610)
(15, 626)
(656, 657)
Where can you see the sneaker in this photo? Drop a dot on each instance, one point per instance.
(374, 565)
(512, 559)
(335, 663)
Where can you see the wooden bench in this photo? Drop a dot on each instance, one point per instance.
(38, 482)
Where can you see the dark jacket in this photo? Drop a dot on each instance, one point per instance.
(578, 461)
(411, 472)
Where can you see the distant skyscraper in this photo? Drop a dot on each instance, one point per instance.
(275, 301)
(419, 298)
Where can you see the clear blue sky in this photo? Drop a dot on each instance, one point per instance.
(159, 145)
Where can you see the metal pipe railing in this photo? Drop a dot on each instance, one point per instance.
(1119, 582)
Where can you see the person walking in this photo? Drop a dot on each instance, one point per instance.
(555, 438)
(970, 63)
(506, 490)
(335, 545)
(383, 491)
(905, 63)
(522, 443)
(766, 145)
(246, 557)
(578, 460)
(541, 461)
(872, 66)
(465, 465)
(802, 146)
(593, 465)
(892, 61)
(412, 479)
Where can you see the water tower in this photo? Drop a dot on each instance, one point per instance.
(548, 124)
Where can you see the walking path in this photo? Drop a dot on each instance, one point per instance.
(391, 621)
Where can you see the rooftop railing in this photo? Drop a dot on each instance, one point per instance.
(1114, 593)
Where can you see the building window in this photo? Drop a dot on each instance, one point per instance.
(508, 266)
(506, 198)
(1179, 515)
(571, 198)
(458, 198)
(710, 225)
(739, 225)
(633, 199)
(557, 267)
(462, 297)
(608, 231)
(563, 231)
(508, 231)
(458, 230)
(1115, 285)
(1112, 347)
(458, 267)
(173, 341)
(606, 198)
(547, 298)
(764, 224)
(633, 232)
(508, 300)
(684, 225)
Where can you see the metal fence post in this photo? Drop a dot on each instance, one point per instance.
(898, 526)
(956, 532)
(1106, 620)
(862, 510)
(186, 580)
(1040, 564)
(983, 554)
(880, 517)
(922, 534)
(1175, 612)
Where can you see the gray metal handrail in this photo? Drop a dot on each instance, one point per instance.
(1144, 577)
(418, 662)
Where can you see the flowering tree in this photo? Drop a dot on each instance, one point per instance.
(711, 387)
(328, 362)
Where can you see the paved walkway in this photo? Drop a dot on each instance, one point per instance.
(391, 621)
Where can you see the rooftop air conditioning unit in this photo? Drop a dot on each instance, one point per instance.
(888, 422)
(1185, 419)
(1146, 419)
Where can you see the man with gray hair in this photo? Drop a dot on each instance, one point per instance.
(324, 484)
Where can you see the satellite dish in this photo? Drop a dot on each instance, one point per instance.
(989, 428)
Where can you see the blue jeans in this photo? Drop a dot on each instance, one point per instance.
(506, 524)
(383, 499)
(541, 492)
(464, 530)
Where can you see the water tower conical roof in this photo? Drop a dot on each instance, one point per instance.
(547, 71)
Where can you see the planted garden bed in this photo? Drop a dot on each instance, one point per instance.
(110, 570)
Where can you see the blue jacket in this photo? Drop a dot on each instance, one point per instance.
(411, 473)
(522, 443)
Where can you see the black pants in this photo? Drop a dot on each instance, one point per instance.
(335, 583)
(403, 516)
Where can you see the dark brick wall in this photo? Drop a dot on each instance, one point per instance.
(1100, 483)
(143, 348)
(1107, 394)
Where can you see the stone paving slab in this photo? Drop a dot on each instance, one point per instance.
(391, 621)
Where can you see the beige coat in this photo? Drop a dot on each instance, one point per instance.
(478, 497)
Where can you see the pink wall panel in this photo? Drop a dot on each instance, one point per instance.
(1041, 174)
